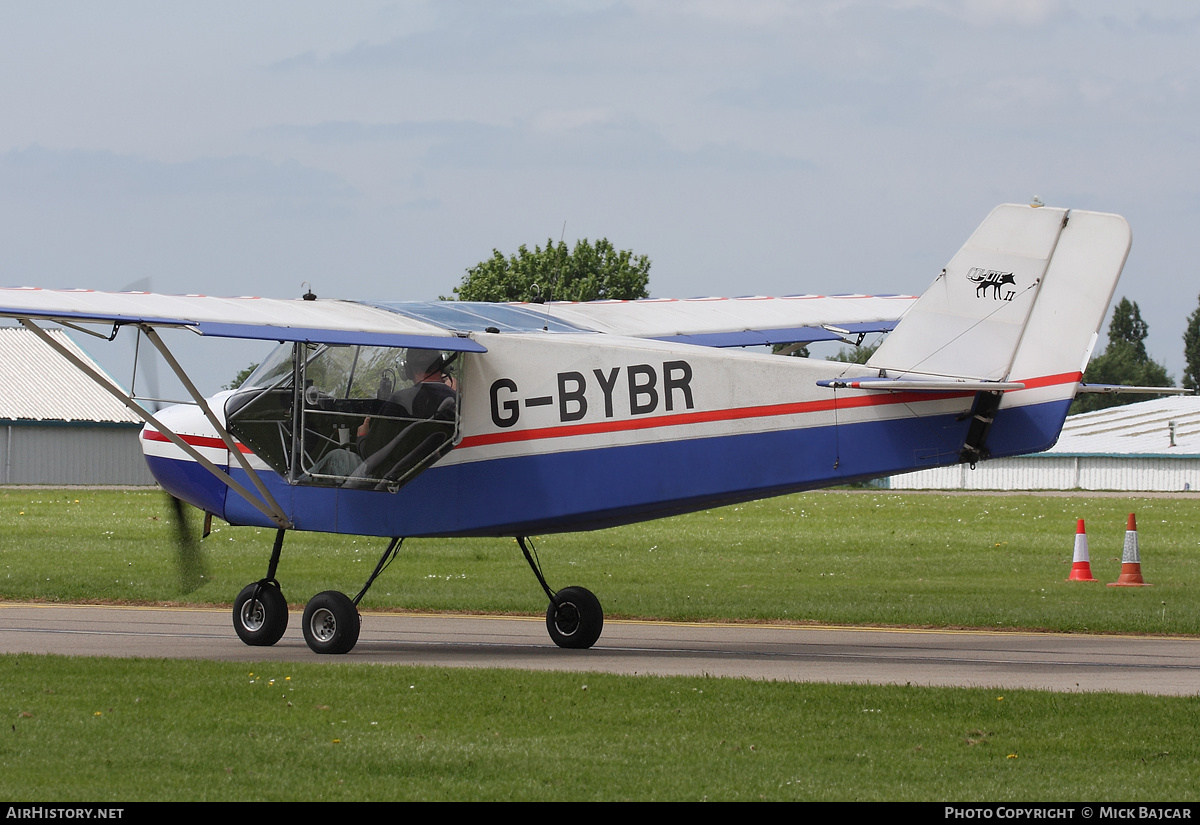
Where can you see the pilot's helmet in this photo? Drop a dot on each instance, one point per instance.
(418, 362)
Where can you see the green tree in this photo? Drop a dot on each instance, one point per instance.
(238, 379)
(855, 355)
(589, 272)
(1191, 352)
(1124, 361)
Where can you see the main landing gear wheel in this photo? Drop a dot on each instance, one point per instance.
(331, 623)
(260, 614)
(574, 618)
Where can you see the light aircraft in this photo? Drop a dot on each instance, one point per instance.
(464, 419)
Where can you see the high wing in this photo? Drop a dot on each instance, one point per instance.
(717, 322)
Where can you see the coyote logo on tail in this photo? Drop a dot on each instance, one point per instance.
(984, 278)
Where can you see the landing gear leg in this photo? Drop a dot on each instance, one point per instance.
(574, 618)
(260, 611)
(331, 619)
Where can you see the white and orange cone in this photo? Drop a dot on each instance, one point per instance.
(1131, 562)
(1081, 568)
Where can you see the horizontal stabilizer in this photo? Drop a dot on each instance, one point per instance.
(1125, 389)
(939, 385)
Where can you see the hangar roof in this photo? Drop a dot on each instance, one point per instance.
(38, 384)
(1142, 429)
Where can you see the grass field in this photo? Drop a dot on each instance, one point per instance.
(838, 557)
(123, 730)
(144, 730)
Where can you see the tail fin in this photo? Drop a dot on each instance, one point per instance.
(1022, 301)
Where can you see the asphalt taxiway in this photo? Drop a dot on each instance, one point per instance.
(1049, 661)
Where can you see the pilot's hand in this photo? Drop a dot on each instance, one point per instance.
(364, 427)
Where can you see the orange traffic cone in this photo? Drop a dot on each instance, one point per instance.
(1081, 569)
(1131, 562)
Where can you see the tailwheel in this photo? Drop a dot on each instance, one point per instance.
(260, 614)
(331, 623)
(574, 618)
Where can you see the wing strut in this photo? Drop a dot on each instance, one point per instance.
(278, 515)
(266, 505)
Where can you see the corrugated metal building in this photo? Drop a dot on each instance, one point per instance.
(56, 426)
(1150, 446)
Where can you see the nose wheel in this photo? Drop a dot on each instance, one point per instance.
(260, 614)
(260, 611)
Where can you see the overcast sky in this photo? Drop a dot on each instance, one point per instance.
(376, 150)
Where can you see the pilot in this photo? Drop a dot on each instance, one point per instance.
(433, 392)
(433, 396)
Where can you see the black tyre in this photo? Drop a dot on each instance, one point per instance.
(331, 623)
(260, 614)
(574, 618)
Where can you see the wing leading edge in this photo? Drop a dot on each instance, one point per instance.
(270, 319)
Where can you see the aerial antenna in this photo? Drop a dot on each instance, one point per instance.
(554, 278)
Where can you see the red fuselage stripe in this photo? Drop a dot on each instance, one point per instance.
(193, 440)
(740, 413)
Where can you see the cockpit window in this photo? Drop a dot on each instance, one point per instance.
(365, 418)
(276, 366)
